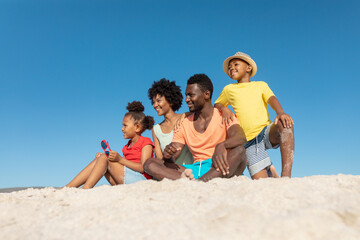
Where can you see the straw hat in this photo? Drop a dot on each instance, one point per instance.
(244, 57)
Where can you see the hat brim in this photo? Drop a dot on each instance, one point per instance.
(246, 59)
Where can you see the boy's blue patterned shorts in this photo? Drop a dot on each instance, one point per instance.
(256, 154)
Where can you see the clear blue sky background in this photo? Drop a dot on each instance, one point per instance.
(69, 68)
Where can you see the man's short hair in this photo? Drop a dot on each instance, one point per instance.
(203, 81)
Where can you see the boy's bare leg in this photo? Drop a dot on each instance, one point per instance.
(115, 173)
(285, 137)
(237, 162)
(264, 173)
(160, 169)
(81, 178)
(274, 172)
(97, 172)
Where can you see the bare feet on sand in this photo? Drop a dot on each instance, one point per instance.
(187, 174)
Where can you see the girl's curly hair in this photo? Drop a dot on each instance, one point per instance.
(169, 90)
(136, 111)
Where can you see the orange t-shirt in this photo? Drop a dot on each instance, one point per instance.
(202, 145)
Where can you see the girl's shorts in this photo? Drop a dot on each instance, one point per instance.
(132, 176)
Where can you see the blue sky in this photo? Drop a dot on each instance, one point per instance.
(69, 68)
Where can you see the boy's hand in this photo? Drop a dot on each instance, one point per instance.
(227, 116)
(219, 159)
(98, 154)
(114, 156)
(285, 119)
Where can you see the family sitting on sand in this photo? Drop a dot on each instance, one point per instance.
(210, 142)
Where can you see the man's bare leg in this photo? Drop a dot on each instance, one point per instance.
(285, 138)
(237, 163)
(160, 169)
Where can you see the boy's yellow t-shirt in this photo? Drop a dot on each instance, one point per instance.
(249, 101)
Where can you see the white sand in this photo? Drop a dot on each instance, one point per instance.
(318, 207)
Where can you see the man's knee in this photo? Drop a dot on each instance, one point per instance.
(239, 153)
(148, 165)
(238, 157)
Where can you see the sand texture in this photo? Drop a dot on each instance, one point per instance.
(317, 207)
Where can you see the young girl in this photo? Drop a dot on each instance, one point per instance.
(166, 98)
(118, 169)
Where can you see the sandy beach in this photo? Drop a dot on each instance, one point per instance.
(317, 207)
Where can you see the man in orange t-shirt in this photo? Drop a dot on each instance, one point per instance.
(218, 149)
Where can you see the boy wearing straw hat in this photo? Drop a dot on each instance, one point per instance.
(249, 99)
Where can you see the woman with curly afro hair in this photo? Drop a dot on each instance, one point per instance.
(166, 98)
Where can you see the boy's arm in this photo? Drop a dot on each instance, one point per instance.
(236, 137)
(285, 119)
(227, 115)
